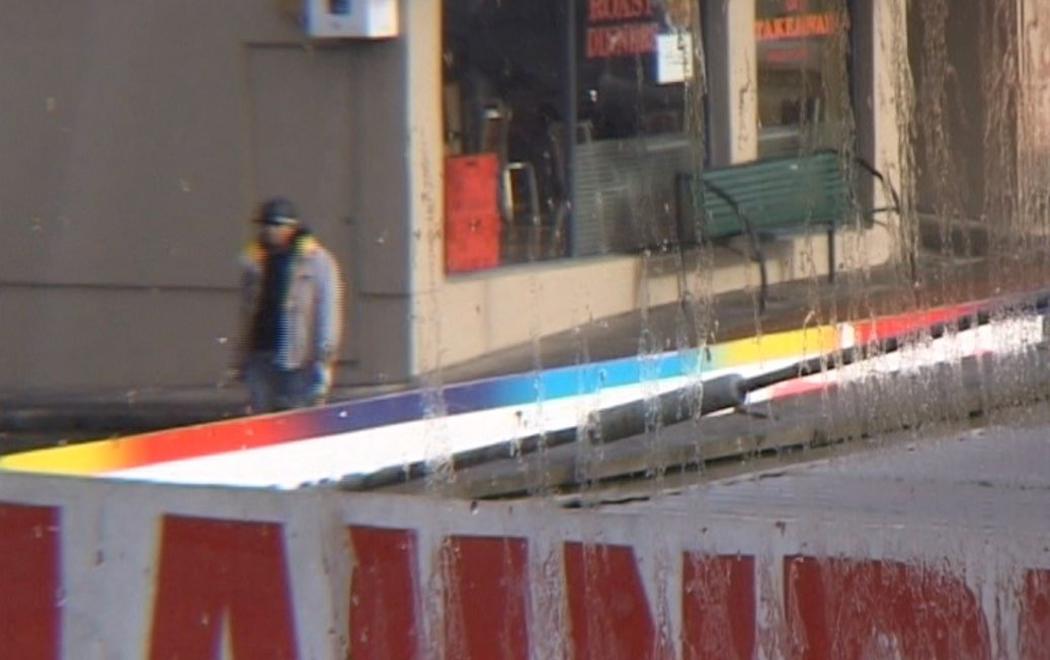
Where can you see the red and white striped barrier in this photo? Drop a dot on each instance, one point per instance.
(91, 569)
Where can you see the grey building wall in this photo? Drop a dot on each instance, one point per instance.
(135, 140)
(964, 62)
(862, 71)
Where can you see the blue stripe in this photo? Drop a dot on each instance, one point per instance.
(498, 392)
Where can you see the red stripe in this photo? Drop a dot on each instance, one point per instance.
(904, 324)
(214, 438)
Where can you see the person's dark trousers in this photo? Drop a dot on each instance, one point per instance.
(271, 388)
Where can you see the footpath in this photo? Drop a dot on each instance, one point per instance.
(49, 419)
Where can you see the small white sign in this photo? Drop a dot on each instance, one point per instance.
(674, 57)
(369, 19)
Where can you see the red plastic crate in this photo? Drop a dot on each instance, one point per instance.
(472, 218)
(472, 242)
(472, 183)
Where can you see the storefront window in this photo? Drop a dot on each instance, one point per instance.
(504, 88)
(802, 78)
(635, 59)
(564, 129)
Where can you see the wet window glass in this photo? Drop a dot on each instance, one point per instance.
(564, 126)
(801, 46)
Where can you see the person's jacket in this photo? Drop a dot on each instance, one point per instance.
(313, 307)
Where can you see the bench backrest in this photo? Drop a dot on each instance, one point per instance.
(776, 195)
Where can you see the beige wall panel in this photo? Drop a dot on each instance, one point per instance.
(99, 339)
(380, 327)
(138, 137)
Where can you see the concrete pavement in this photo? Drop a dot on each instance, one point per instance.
(29, 420)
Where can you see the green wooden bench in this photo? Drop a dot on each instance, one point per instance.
(769, 198)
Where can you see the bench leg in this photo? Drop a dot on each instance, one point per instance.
(759, 256)
(831, 254)
(764, 284)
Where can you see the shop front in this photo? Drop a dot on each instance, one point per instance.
(569, 121)
(566, 127)
(572, 118)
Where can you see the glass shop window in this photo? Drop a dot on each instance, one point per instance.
(565, 123)
(803, 80)
(504, 101)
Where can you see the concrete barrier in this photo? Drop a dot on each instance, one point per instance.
(94, 569)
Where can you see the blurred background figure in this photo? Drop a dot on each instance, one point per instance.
(291, 313)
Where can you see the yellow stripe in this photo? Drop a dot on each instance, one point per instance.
(88, 458)
(794, 343)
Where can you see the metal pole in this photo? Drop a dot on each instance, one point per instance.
(569, 115)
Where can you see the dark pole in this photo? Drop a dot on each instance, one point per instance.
(569, 115)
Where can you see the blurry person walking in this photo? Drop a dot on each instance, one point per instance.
(291, 313)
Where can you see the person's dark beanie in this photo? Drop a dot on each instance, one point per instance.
(278, 211)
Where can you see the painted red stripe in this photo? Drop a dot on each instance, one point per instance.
(903, 324)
